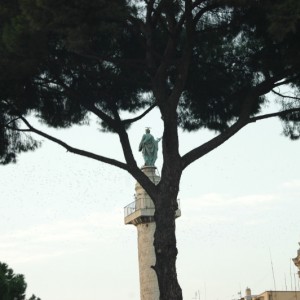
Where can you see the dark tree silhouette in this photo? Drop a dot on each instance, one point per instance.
(203, 63)
(12, 286)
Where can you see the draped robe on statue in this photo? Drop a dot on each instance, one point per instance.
(149, 148)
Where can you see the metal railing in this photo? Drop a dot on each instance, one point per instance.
(141, 203)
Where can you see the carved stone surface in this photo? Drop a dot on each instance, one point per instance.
(149, 289)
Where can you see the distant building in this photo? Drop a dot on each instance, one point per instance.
(273, 295)
(278, 295)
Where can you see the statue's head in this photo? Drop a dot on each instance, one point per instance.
(147, 130)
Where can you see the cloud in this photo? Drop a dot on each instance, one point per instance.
(220, 200)
(224, 210)
(61, 237)
(252, 200)
(255, 222)
(292, 184)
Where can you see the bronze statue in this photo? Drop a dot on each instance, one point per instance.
(149, 148)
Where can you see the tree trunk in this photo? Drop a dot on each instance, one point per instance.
(165, 245)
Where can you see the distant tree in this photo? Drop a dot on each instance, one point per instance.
(33, 297)
(203, 63)
(12, 286)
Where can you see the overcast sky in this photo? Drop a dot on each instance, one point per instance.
(62, 222)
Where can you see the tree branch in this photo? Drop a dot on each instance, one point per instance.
(200, 151)
(157, 11)
(118, 126)
(183, 16)
(244, 119)
(11, 121)
(288, 80)
(148, 32)
(133, 169)
(276, 114)
(184, 63)
(89, 106)
(17, 129)
(205, 148)
(71, 149)
(101, 115)
(283, 96)
(202, 11)
(129, 121)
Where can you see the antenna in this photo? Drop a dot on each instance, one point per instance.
(291, 274)
(272, 270)
(197, 295)
(285, 281)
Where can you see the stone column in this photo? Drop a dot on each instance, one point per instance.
(141, 214)
(146, 227)
(148, 281)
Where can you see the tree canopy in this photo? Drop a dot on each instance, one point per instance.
(204, 63)
(62, 60)
(12, 286)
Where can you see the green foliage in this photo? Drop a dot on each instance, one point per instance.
(12, 142)
(60, 60)
(284, 17)
(33, 297)
(12, 286)
(204, 64)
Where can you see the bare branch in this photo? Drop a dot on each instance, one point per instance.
(120, 129)
(184, 63)
(11, 121)
(183, 16)
(243, 120)
(18, 129)
(129, 121)
(276, 114)
(283, 96)
(100, 114)
(196, 3)
(287, 81)
(75, 150)
(130, 167)
(200, 151)
(202, 11)
(150, 55)
(205, 148)
(133, 169)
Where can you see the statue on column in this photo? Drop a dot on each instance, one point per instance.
(149, 148)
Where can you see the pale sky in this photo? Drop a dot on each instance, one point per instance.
(62, 222)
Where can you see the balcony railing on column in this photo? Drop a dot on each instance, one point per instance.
(141, 203)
